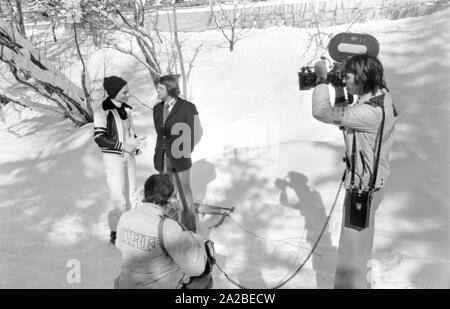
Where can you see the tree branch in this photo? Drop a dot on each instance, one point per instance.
(66, 110)
(130, 52)
(221, 27)
(134, 30)
(5, 100)
(177, 44)
(87, 96)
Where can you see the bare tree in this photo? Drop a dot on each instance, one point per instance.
(111, 18)
(171, 53)
(51, 10)
(142, 27)
(16, 15)
(4, 99)
(39, 75)
(319, 40)
(54, 21)
(211, 12)
(178, 47)
(227, 20)
(20, 21)
(87, 96)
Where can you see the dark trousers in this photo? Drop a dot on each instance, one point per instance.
(188, 218)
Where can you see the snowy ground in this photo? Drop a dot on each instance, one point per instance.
(258, 127)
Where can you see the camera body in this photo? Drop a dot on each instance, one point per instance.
(307, 79)
(341, 46)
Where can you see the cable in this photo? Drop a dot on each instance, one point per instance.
(263, 238)
(307, 257)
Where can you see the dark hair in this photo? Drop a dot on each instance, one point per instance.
(368, 72)
(158, 189)
(171, 85)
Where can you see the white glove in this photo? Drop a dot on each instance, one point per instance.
(131, 145)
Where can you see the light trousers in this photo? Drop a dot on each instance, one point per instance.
(355, 251)
(121, 179)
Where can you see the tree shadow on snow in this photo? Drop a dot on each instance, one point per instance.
(56, 203)
(420, 161)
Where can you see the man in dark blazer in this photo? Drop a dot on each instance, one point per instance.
(178, 130)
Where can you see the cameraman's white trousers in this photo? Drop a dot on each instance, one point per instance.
(355, 251)
(121, 179)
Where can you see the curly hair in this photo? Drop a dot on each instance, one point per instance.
(368, 72)
(158, 189)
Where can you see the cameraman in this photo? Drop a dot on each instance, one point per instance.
(360, 122)
(146, 264)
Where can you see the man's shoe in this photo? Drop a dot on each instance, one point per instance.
(112, 237)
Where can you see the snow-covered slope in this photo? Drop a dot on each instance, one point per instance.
(53, 193)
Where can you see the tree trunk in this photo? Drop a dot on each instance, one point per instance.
(180, 54)
(211, 12)
(233, 37)
(53, 29)
(20, 25)
(87, 97)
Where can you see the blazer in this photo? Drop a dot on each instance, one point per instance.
(183, 112)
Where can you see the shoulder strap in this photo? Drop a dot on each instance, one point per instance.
(160, 234)
(373, 181)
(377, 101)
(352, 180)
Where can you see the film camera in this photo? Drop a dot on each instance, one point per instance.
(341, 46)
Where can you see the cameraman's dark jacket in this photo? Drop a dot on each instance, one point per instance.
(183, 112)
(362, 119)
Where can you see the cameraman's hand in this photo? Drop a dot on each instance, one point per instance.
(320, 68)
(173, 209)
